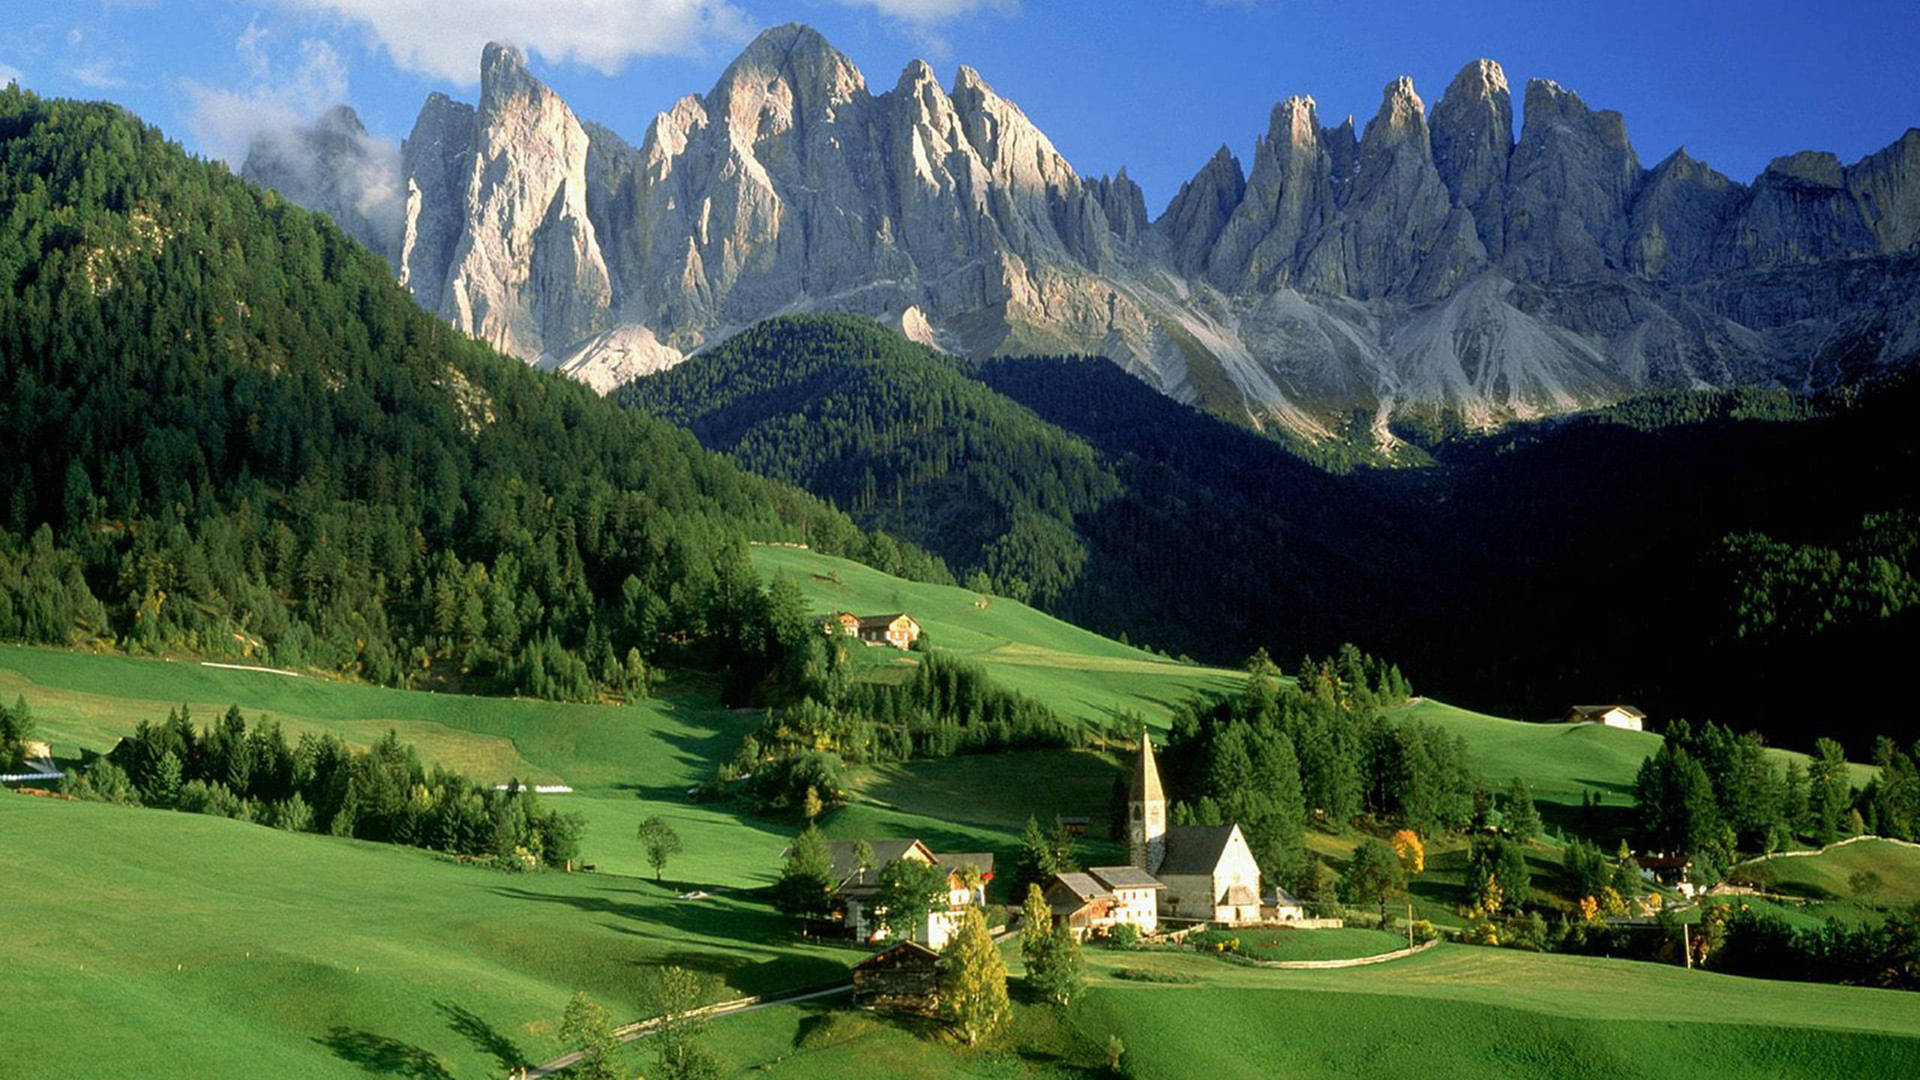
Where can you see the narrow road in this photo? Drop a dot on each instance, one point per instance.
(737, 1007)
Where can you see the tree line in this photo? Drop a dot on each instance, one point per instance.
(1714, 796)
(319, 784)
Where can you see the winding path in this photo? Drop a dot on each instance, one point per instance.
(738, 1006)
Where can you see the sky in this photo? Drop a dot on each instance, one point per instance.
(1153, 85)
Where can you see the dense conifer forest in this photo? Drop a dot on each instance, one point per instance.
(1696, 553)
(225, 431)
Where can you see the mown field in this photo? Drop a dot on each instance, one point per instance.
(624, 762)
(1454, 1011)
(1077, 672)
(152, 943)
(1837, 873)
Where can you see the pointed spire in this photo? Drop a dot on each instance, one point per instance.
(1146, 775)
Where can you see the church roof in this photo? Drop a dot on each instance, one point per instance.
(1146, 775)
(1195, 849)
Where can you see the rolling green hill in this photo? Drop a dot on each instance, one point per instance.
(146, 942)
(1829, 873)
(1077, 672)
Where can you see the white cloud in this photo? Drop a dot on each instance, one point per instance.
(97, 75)
(444, 37)
(932, 11)
(223, 121)
(11, 74)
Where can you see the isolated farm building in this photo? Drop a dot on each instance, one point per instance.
(1671, 870)
(841, 623)
(1208, 871)
(905, 976)
(1282, 907)
(1136, 895)
(856, 886)
(1620, 716)
(898, 630)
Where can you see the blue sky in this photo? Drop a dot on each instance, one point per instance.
(1154, 86)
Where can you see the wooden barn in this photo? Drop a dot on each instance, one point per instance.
(905, 977)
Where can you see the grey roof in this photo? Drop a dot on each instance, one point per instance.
(1242, 895)
(1081, 885)
(1146, 775)
(847, 872)
(1124, 877)
(907, 953)
(1283, 898)
(881, 622)
(953, 860)
(1195, 849)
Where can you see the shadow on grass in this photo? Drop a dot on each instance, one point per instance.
(383, 1056)
(485, 1037)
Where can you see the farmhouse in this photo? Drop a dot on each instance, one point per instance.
(857, 885)
(898, 630)
(905, 976)
(1620, 716)
(1094, 902)
(841, 624)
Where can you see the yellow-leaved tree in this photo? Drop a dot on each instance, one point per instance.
(1413, 853)
(973, 983)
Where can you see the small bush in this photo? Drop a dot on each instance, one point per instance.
(1123, 936)
(1148, 976)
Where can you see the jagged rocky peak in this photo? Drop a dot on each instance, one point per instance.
(1472, 141)
(1681, 207)
(1431, 260)
(1887, 186)
(1193, 220)
(1570, 185)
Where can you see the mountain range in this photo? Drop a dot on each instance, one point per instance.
(1429, 261)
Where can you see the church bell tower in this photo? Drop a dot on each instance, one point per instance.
(1146, 812)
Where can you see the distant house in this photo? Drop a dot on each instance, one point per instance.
(898, 630)
(1620, 716)
(856, 886)
(905, 976)
(841, 624)
(1675, 871)
(1085, 905)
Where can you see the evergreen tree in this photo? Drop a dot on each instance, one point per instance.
(1038, 860)
(1061, 972)
(973, 982)
(805, 887)
(1373, 875)
(1523, 817)
(1829, 790)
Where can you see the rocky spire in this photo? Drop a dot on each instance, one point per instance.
(1395, 209)
(1124, 205)
(1193, 221)
(1569, 186)
(437, 160)
(1887, 187)
(1472, 140)
(1287, 201)
(527, 274)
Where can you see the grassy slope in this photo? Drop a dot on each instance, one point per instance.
(293, 955)
(1076, 671)
(1825, 875)
(623, 762)
(1453, 1011)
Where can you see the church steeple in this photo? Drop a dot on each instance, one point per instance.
(1146, 812)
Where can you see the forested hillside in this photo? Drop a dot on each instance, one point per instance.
(1699, 554)
(901, 438)
(224, 430)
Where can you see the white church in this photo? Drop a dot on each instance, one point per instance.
(1180, 873)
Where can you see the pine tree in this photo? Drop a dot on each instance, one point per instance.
(1523, 817)
(1035, 865)
(805, 888)
(1062, 970)
(973, 983)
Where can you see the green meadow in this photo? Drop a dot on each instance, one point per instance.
(1831, 873)
(1077, 672)
(147, 942)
